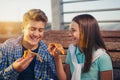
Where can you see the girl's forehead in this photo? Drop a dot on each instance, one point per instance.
(74, 25)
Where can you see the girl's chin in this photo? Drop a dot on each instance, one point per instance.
(75, 44)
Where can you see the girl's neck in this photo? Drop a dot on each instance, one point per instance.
(81, 50)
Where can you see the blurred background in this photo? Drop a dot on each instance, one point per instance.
(59, 12)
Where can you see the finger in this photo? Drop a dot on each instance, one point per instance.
(56, 51)
(18, 60)
(51, 47)
(27, 60)
(51, 51)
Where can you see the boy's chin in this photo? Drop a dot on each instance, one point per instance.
(33, 44)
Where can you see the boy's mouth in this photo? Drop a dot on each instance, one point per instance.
(33, 38)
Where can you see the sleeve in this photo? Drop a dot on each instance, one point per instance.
(105, 62)
(6, 71)
(51, 68)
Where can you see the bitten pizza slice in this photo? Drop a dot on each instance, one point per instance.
(57, 46)
(26, 52)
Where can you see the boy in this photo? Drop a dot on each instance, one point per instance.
(13, 66)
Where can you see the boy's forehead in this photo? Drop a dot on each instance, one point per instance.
(32, 25)
(36, 22)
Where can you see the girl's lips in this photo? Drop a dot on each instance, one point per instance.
(71, 38)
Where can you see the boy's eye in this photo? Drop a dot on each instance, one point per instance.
(40, 30)
(32, 29)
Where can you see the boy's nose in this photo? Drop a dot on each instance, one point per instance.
(36, 33)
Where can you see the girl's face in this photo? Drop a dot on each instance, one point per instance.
(75, 33)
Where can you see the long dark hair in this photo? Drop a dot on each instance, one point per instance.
(91, 37)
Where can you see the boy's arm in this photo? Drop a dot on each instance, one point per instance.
(6, 72)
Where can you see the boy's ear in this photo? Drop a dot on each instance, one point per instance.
(22, 27)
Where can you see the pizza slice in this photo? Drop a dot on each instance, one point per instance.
(52, 47)
(26, 52)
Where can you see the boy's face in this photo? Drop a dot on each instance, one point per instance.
(33, 32)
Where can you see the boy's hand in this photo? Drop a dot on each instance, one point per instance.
(29, 52)
(22, 63)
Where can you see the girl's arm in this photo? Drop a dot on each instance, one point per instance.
(67, 71)
(59, 67)
(106, 75)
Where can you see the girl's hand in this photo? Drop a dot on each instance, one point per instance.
(55, 49)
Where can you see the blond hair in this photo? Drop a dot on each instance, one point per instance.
(35, 15)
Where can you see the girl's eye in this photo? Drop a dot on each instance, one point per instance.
(72, 30)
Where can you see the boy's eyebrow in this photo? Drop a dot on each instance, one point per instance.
(35, 27)
(41, 28)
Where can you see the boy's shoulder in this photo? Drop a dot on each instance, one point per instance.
(42, 44)
(11, 42)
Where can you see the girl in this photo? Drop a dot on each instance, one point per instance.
(87, 57)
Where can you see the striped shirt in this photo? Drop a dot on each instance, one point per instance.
(11, 50)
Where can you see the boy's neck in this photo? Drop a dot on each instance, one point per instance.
(29, 46)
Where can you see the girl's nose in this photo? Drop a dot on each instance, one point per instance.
(70, 33)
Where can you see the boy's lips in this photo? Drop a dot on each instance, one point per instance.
(34, 38)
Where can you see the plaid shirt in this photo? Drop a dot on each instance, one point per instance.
(11, 50)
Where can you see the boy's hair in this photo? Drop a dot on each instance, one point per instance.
(35, 15)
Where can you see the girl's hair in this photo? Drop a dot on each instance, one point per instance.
(91, 39)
